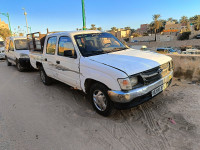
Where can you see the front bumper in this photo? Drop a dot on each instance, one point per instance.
(2, 56)
(25, 62)
(127, 97)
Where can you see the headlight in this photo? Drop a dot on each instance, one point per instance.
(125, 84)
(134, 81)
(24, 56)
(128, 83)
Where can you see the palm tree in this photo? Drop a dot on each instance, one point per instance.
(113, 28)
(157, 23)
(197, 22)
(184, 20)
(170, 19)
(99, 28)
(93, 27)
(127, 28)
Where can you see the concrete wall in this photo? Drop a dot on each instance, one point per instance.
(155, 45)
(186, 66)
(152, 38)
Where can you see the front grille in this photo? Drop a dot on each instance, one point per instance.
(153, 75)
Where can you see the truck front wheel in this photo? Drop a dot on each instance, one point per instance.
(7, 61)
(45, 79)
(100, 99)
(19, 67)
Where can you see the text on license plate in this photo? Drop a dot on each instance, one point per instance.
(157, 90)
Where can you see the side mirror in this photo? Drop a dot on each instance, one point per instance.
(69, 53)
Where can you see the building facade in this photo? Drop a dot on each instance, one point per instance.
(3, 25)
(143, 29)
(121, 33)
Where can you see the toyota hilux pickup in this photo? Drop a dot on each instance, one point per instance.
(17, 52)
(112, 74)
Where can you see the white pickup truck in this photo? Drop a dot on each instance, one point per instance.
(2, 50)
(17, 52)
(113, 75)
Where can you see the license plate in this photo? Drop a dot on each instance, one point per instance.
(157, 90)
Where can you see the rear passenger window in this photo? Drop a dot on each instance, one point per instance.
(51, 45)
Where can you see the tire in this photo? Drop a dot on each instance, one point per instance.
(19, 67)
(44, 78)
(100, 100)
(8, 63)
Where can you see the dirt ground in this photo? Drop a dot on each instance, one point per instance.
(38, 117)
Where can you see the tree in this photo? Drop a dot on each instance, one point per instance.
(93, 27)
(132, 31)
(196, 22)
(171, 19)
(184, 20)
(136, 35)
(127, 28)
(99, 28)
(4, 33)
(113, 28)
(157, 23)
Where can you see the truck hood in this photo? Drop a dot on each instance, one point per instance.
(23, 51)
(131, 61)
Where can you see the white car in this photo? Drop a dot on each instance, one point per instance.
(17, 52)
(2, 51)
(100, 65)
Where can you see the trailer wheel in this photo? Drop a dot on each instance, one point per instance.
(44, 78)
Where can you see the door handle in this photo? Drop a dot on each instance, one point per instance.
(58, 62)
(45, 59)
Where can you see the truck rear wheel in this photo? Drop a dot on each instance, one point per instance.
(100, 99)
(45, 79)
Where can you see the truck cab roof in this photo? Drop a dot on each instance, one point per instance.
(72, 33)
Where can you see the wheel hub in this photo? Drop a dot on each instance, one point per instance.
(99, 100)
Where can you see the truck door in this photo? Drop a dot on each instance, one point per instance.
(67, 62)
(49, 62)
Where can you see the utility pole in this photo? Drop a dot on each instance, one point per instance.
(83, 15)
(7, 15)
(25, 14)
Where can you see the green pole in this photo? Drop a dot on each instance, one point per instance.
(7, 15)
(83, 15)
(9, 22)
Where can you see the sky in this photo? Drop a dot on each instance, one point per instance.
(66, 15)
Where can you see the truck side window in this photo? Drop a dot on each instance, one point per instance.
(65, 44)
(51, 45)
(11, 46)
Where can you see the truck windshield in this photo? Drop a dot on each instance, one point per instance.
(98, 43)
(21, 44)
